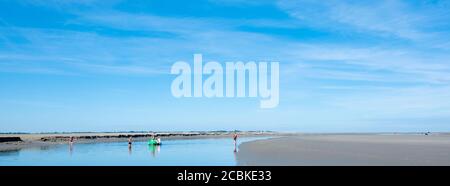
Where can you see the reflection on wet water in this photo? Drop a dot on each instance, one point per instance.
(154, 149)
(44, 147)
(14, 152)
(173, 152)
(70, 148)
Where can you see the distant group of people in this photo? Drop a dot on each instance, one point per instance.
(157, 139)
(130, 140)
(153, 138)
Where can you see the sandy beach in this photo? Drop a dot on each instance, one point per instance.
(348, 149)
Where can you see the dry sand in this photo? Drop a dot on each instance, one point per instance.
(348, 149)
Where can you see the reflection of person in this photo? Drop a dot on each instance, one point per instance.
(70, 149)
(154, 149)
(71, 140)
(235, 155)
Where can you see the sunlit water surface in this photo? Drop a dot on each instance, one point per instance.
(212, 151)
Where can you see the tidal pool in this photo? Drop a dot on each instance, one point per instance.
(209, 151)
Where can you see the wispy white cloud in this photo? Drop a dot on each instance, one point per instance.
(389, 18)
(400, 63)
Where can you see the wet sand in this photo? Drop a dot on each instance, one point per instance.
(348, 149)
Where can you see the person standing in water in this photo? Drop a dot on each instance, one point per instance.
(71, 139)
(130, 141)
(235, 136)
(158, 140)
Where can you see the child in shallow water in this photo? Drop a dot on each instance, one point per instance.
(71, 139)
(158, 140)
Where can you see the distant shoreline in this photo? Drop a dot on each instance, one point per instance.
(30, 140)
(36, 140)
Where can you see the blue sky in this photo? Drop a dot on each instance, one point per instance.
(345, 66)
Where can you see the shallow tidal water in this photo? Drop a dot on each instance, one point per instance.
(211, 151)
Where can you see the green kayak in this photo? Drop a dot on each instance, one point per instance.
(153, 142)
